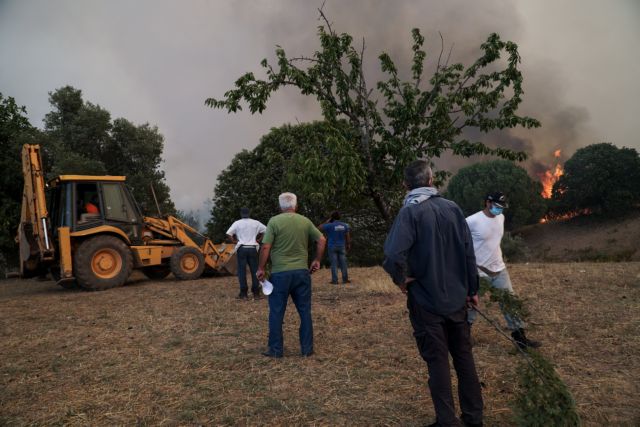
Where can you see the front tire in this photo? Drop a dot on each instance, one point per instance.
(102, 262)
(187, 263)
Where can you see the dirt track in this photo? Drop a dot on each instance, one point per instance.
(175, 353)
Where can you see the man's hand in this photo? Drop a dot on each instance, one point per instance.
(315, 266)
(404, 287)
(472, 302)
(260, 274)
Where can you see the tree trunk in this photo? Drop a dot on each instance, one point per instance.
(382, 205)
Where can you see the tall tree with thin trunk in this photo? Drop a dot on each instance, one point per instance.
(397, 121)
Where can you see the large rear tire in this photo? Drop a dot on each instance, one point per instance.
(102, 262)
(187, 263)
(156, 272)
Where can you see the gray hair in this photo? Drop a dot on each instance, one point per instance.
(418, 174)
(287, 201)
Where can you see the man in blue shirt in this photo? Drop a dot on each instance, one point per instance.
(339, 237)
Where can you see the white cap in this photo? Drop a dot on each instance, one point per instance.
(267, 287)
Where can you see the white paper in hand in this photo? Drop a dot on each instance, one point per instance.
(267, 287)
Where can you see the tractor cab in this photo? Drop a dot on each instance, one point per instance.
(84, 203)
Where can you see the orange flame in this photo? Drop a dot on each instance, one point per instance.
(549, 177)
(566, 216)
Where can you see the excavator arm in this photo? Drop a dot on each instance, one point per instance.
(215, 256)
(34, 231)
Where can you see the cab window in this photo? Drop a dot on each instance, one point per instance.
(116, 203)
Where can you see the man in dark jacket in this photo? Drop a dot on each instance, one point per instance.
(429, 255)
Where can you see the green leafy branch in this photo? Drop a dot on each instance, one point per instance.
(543, 399)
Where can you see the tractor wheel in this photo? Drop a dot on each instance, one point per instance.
(67, 284)
(187, 263)
(102, 262)
(156, 272)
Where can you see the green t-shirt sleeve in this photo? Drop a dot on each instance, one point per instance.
(269, 234)
(314, 233)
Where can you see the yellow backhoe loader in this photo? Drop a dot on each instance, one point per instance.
(92, 234)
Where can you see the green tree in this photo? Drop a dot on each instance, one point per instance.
(401, 121)
(602, 178)
(82, 139)
(15, 130)
(136, 151)
(471, 184)
(77, 132)
(255, 179)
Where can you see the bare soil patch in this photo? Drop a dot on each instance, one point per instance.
(188, 353)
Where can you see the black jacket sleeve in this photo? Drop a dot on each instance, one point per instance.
(400, 239)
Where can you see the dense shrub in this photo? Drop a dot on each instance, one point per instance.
(472, 183)
(601, 178)
(514, 248)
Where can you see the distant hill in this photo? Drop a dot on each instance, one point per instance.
(584, 239)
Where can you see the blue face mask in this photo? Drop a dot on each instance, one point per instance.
(495, 210)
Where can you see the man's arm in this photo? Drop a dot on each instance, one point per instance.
(231, 233)
(320, 245)
(348, 240)
(264, 257)
(261, 230)
(400, 239)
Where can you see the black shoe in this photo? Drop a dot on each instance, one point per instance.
(523, 342)
(308, 354)
(468, 424)
(346, 281)
(272, 355)
(333, 283)
(243, 296)
(257, 295)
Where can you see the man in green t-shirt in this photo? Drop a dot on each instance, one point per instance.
(286, 241)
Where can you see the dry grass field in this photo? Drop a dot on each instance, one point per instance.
(187, 353)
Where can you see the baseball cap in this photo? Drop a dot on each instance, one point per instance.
(498, 199)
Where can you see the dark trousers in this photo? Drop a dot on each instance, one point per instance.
(247, 255)
(437, 336)
(338, 258)
(296, 283)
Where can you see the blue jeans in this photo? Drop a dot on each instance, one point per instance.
(247, 255)
(296, 283)
(500, 281)
(338, 258)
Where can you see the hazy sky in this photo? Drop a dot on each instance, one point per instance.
(157, 61)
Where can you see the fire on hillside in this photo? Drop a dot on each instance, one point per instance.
(550, 176)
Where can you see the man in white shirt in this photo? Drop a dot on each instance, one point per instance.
(487, 229)
(246, 233)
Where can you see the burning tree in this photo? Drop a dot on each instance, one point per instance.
(549, 177)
